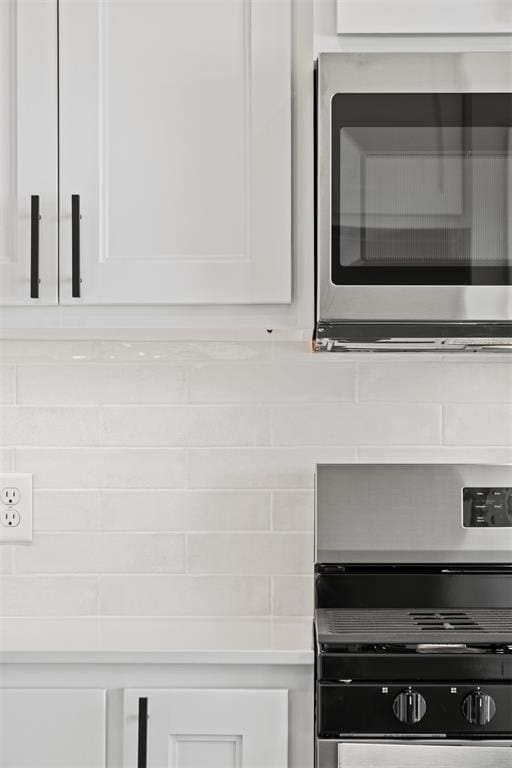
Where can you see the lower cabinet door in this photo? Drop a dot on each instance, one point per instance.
(52, 728)
(196, 728)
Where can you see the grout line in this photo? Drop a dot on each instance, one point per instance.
(234, 574)
(177, 531)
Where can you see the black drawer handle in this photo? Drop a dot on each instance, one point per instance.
(75, 246)
(142, 758)
(34, 246)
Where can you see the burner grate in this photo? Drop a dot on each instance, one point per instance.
(432, 621)
(414, 626)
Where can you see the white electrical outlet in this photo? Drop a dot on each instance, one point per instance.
(15, 508)
(11, 496)
(10, 517)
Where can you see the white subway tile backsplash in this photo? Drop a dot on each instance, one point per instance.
(292, 510)
(100, 384)
(48, 596)
(292, 595)
(185, 351)
(187, 595)
(6, 558)
(175, 478)
(260, 467)
(103, 467)
(185, 425)
(478, 424)
(185, 510)
(66, 510)
(357, 424)
(7, 384)
(102, 553)
(7, 458)
(279, 382)
(249, 553)
(39, 351)
(441, 454)
(31, 425)
(449, 382)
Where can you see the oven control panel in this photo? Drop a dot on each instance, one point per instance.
(418, 709)
(487, 507)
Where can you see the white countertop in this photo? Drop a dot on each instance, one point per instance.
(156, 640)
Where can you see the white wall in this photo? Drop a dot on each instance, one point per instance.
(175, 478)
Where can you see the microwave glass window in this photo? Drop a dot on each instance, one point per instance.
(425, 203)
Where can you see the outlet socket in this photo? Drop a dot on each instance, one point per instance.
(11, 496)
(10, 518)
(15, 508)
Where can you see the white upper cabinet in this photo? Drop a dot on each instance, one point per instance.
(28, 152)
(424, 16)
(175, 143)
(207, 729)
(52, 728)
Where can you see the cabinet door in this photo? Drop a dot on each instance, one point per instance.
(28, 149)
(52, 728)
(209, 728)
(424, 17)
(175, 135)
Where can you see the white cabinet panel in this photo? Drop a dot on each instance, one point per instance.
(175, 132)
(206, 752)
(28, 146)
(52, 728)
(209, 728)
(424, 16)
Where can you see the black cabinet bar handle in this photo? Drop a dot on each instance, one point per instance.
(142, 758)
(75, 246)
(34, 246)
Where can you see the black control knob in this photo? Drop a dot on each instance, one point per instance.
(409, 707)
(478, 708)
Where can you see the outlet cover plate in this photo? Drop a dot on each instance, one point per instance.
(21, 503)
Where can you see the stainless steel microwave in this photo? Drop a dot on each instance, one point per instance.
(414, 202)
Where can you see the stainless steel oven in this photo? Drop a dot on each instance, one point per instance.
(414, 201)
(393, 754)
(413, 616)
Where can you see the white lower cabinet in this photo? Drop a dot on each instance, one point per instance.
(52, 728)
(197, 728)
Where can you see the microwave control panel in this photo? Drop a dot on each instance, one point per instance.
(487, 507)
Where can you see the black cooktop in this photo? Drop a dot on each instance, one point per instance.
(414, 626)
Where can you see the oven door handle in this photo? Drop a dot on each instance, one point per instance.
(434, 755)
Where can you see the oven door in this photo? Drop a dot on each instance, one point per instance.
(432, 754)
(415, 188)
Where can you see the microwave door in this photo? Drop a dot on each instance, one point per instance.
(414, 200)
(410, 755)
